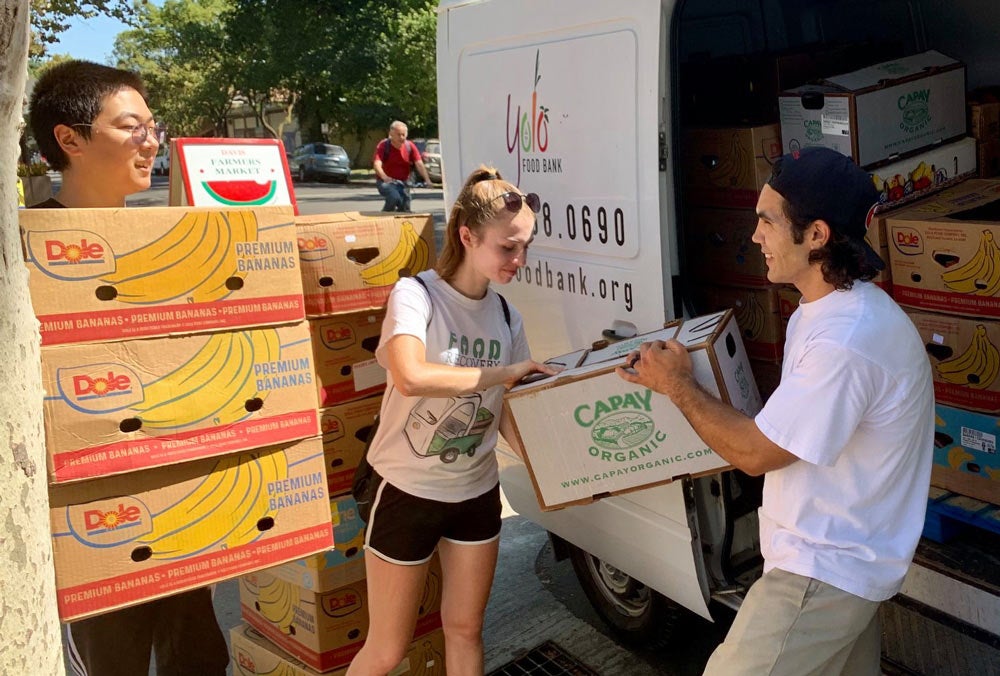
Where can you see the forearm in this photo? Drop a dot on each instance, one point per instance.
(379, 173)
(440, 380)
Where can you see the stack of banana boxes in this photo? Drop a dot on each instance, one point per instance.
(181, 404)
(945, 262)
(311, 615)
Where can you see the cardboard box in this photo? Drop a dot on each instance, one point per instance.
(719, 240)
(788, 301)
(757, 314)
(350, 261)
(344, 354)
(587, 434)
(113, 274)
(944, 250)
(324, 630)
(119, 407)
(988, 158)
(124, 540)
(336, 567)
(727, 167)
(984, 114)
(254, 655)
(911, 178)
(965, 359)
(767, 375)
(878, 112)
(345, 428)
(965, 453)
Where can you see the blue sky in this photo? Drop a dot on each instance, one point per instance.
(89, 39)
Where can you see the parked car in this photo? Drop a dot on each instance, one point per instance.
(161, 164)
(430, 154)
(320, 160)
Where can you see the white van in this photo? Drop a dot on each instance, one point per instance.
(580, 101)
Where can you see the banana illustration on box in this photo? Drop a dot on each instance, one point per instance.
(411, 253)
(224, 511)
(958, 456)
(195, 259)
(750, 316)
(276, 601)
(977, 367)
(733, 169)
(215, 384)
(981, 274)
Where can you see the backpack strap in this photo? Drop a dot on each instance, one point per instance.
(386, 148)
(411, 150)
(503, 301)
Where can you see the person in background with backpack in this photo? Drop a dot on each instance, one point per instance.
(451, 346)
(394, 157)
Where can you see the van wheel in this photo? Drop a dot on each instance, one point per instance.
(449, 455)
(636, 614)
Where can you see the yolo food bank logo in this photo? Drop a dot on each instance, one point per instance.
(915, 109)
(621, 427)
(528, 134)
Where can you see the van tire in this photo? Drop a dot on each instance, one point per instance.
(637, 615)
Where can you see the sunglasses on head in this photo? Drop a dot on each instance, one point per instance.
(513, 201)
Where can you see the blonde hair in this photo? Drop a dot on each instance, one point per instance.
(476, 205)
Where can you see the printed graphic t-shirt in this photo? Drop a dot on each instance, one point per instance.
(441, 448)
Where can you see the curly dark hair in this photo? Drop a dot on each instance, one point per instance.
(842, 259)
(73, 93)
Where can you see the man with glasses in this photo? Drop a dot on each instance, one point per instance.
(93, 124)
(393, 157)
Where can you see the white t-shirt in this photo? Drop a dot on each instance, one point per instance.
(856, 405)
(441, 448)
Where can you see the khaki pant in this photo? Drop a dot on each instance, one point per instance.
(790, 625)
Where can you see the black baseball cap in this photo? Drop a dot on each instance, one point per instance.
(822, 184)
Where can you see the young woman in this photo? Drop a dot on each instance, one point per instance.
(450, 350)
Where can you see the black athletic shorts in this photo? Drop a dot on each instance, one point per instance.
(405, 529)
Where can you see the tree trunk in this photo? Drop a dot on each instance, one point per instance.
(29, 623)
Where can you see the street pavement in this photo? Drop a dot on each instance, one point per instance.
(535, 598)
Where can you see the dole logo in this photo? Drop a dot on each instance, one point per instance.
(314, 246)
(343, 603)
(907, 241)
(99, 388)
(337, 336)
(109, 522)
(331, 427)
(71, 254)
(244, 661)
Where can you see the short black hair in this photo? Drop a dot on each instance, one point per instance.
(73, 93)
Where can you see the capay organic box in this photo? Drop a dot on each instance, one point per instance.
(325, 630)
(345, 428)
(123, 406)
(965, 453)
(122, 540)
(727, 166)
(113, 274)
(350, 261)
(944, 250)
(876, 113)
(254, 655)
(586, 433)
(344, 353)
(964, 353)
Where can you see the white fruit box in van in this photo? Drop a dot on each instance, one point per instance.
(586, 433)
(879, 112)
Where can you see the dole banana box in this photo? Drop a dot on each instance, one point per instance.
(325, 630)
(334, 568)
(965, 359)
(727, 166)
(119, 407)
(757, 314)
(254, 655)
(113, 274)
(944, 250)
(721, 241)
(351, 261)
(345, 428)
(586, 433)
(877, 113)
(965, 453)
(344, 354)
(122, 540)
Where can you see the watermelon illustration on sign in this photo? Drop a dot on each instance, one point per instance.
(241, 193)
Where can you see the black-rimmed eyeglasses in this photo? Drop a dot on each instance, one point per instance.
(139, 132)
(513, 201)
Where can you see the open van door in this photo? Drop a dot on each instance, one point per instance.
(569, 104)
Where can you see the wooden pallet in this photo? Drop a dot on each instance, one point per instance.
(949, 514)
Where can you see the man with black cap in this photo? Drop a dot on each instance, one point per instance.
(846, 440)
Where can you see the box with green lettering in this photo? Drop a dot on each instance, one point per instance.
(587, 433)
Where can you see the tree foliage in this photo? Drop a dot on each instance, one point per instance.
(49, 18)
